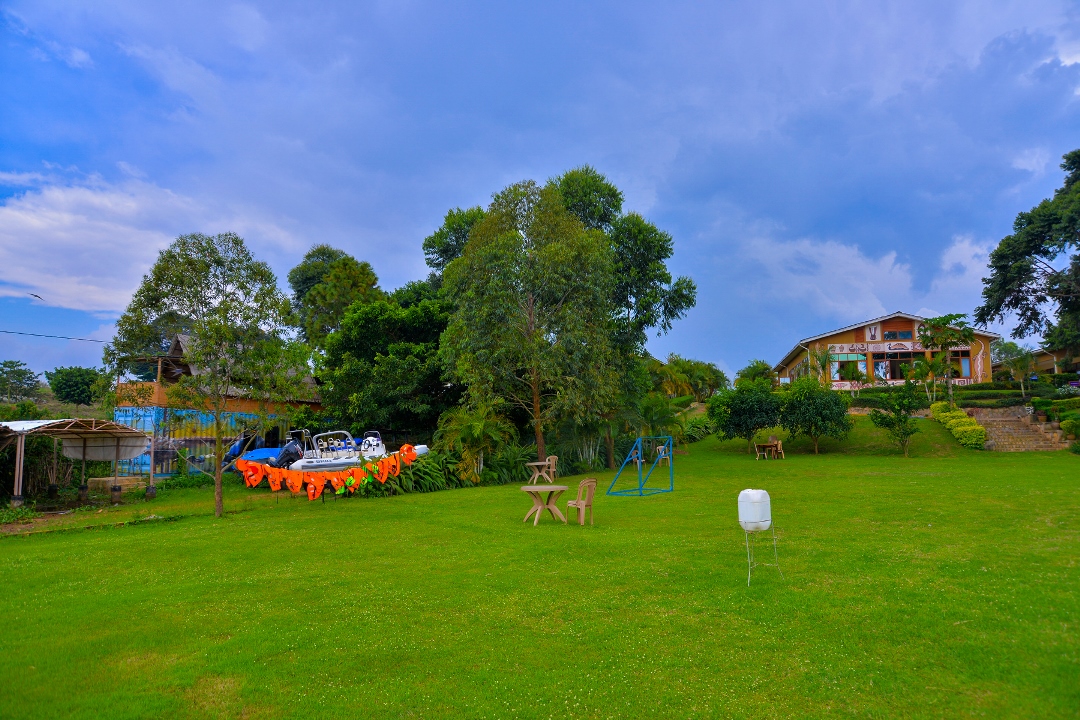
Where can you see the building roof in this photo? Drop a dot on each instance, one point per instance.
(802, 344)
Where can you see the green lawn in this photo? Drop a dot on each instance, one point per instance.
(937, 586)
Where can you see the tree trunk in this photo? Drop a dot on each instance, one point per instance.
(815, 446)
(609, 445)
(750, 445)
(541, 450)
(219, 503)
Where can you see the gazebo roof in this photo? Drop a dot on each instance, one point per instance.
(69, 428)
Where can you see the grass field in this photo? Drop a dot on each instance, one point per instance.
(937, 586)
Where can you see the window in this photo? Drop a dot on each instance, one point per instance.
(962, 358)
(842, 360)
(898, 335)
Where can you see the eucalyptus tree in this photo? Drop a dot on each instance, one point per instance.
(532, 294)
(238, 323)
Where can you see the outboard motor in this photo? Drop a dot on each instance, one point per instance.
(289, 454)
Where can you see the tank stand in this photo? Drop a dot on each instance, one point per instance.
(751, 564)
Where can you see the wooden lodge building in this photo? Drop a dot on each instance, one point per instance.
(879, 347)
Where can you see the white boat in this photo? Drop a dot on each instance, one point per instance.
(334, 450)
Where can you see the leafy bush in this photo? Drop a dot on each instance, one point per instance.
(23, 514)
(967, 430)
(697, 428)
(1071, 404)
(998, 403)
(1058, 380)
(970, 435)
(987, 394)
(938, 408)
(1075, 447)
(1070, 427)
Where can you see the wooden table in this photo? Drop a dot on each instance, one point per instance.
(768, 449)
(539, 470)
(540, 504)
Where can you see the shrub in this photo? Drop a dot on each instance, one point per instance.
(1075, 447)
(938, 408)
(1070, 427)
(970, 435)
(897, 420)
(697, 428)
(23, 514)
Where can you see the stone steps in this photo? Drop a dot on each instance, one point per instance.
(1016, 433)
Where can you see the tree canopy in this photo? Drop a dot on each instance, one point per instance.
(382, 368)
(1028, 273)
(744, 411)
(311, 270)
(347, 281)
(17, 381)
(448, 242)
(75, 385)
(810, 409)
(755, 371)
(239, 322)
(590, 197)
(532, 297)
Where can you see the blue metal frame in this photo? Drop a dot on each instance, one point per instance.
(641, 490)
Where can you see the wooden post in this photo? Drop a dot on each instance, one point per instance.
(158, 372)
(20, 452)
(83, 491)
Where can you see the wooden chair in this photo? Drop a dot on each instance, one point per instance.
(588, 487)
(778, 451)
(762, 451)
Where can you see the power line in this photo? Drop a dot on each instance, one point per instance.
(58, 337)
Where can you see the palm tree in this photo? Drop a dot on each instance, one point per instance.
(472, 431)
(657, 415)
(821, 363)
(1020, 366)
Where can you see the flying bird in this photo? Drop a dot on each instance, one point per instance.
(37, 296)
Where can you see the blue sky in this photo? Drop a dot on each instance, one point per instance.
(818, 163)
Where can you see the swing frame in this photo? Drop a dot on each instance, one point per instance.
(643, 478)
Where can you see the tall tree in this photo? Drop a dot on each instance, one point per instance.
(448, 242)
(645, 295)
(531, 324)
(944, 334)
(17, 381)
(1027, 274)
(590, 197)
(311, 270)
(75, 385)
(347, 281)
(239, 324)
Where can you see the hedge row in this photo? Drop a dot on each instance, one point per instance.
(967, 431)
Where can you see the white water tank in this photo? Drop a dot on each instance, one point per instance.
(755, 513)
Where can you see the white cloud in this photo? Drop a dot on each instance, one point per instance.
(840, 282)
(828, 277)
(1033, 160)
(86, 245)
